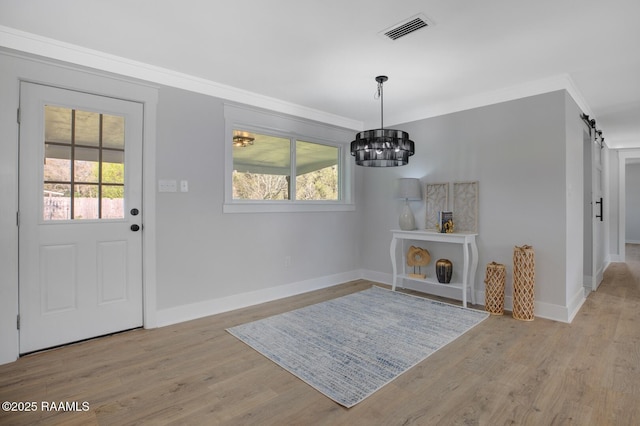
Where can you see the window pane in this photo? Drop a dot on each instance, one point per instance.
(86, 165)
(57, 124)
(261, 167)
(85, 202)
(57, 202)
(112, 202)
(58, 168)
(87, 126)
(112, 131)
(92, 185)
(113, 173)
(317, 171)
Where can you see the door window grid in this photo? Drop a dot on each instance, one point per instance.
(99, 192)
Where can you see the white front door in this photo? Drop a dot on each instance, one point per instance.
(80, 219)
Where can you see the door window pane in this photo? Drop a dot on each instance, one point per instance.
(112, 131)
(57, 124)
(87, 128)
(111, 206)
(85, 202)
(58, 169)
(83, 165)
(113, 173)
(57, 201)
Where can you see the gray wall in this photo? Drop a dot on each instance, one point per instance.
(518, 152)
(612, 207)
(204, 254)
(632, 189)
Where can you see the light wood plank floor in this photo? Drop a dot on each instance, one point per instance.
(502, 372)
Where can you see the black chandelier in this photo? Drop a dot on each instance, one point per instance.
(382, 147)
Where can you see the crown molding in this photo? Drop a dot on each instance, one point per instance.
(532, 88)
(57, 50)
(34, 44)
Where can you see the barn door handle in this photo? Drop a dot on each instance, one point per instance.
(135, 227)
(600, 215)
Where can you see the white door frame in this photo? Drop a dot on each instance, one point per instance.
(17, 67)
(97, 84)
(148, 97)
(623, 156)
(79, 309)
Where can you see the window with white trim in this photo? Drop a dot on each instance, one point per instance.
(280, 163)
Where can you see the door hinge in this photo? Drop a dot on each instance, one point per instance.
(18, 322)
(18, 117)
(18, 219)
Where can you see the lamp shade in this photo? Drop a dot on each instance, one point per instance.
(409, 189)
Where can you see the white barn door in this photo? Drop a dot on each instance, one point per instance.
(80, 218)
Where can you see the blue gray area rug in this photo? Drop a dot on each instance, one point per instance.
(349, 347)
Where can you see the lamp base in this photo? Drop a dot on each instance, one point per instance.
(407, 220)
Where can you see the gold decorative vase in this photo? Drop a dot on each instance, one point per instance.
(444, 270)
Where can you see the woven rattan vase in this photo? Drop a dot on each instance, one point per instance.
(494, 288)
(524, 278)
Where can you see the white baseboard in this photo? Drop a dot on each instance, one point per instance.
(575, 304)
(225, 304)
(379, 277)
(541, 309)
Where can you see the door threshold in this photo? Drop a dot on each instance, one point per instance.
(79, 342)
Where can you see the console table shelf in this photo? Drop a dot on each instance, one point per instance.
(467, 241)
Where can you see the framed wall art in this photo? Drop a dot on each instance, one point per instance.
(436, 197)
(465, 206)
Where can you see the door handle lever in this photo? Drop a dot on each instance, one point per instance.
(600, 216)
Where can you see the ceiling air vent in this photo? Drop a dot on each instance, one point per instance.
(406, 27)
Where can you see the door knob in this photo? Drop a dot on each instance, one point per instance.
(134, 212)
(135, 227)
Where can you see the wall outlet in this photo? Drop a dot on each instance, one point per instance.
(184, 186)
(287, 261)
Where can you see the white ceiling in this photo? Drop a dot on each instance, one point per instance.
(323, 55)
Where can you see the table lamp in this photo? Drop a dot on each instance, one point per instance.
(409, 190)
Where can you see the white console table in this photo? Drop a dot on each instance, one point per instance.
(470, 255)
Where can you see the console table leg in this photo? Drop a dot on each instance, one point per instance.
(465, 274)
(472, 272)
(393, 253)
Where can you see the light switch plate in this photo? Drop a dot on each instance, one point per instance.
(165, 185)
(184, 186)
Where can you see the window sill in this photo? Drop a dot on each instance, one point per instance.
(285, 207)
